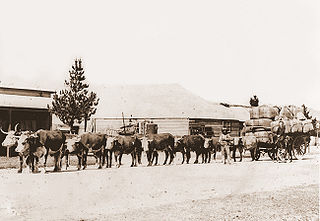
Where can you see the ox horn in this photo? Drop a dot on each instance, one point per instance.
(16, 127)
(3, 131)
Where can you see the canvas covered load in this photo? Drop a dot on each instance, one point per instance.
(293, 126)
(263, 122)
(263, 111)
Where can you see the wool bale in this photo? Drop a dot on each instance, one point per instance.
(249, 134)
(300, 116)
(266, 111)
(254, 113)
(307, 126)
(262, 122)
(296, 126)
(275, 126)
(285, 113)
(262, 136)
(295, 109)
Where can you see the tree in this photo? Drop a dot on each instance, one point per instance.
(306, 112)
(75, 102)
(254, 101)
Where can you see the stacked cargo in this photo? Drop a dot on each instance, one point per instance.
(293, 119)
(259, 125)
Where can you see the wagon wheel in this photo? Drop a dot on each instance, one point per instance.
(299, 146)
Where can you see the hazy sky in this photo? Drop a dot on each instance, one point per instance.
(224, 50)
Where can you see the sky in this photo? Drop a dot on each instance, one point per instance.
(223, 51)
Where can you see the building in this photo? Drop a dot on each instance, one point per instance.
(173, 108)
(28, 107)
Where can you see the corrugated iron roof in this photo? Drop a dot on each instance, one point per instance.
(160, 100)
(24, 101)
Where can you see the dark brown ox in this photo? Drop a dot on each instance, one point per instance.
(124, 145)
(190, 143)
(93, 143)
(53, 141)
(158, 142)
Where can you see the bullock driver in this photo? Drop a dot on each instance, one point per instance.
(224, 141)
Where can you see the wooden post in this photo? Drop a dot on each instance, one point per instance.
(9, 128)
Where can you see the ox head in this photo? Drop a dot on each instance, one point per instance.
(109, 143)
(11, 138)
(145, 142)
(206, 143)
(72, 143)
(179, 143)
(23, 143)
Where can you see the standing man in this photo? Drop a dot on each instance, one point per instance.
(225, 140)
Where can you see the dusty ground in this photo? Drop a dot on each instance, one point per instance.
(260, 190)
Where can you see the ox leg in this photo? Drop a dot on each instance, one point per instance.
(139, 154)
(110, 160)
(67, 160)
(240, 152)
(166, 157)
(107, 158)
(84, 159)
(183, 153)
(171, 157)
(150, 157)
(234, 154)
(197, 156)
(79, 161)
(209, 156)
(133, 160)
(100, 163)
(45, 160)
(119, 161)
(188, 155)
(21, 164)
(36, 167)
(155, 155)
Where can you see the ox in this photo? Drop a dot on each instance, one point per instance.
(211, 146)
(158, 142)
(190, 143)
(93, 143)
(29, 146)
(52, 141)
(73, 147)
(237, 145)
(120, 145)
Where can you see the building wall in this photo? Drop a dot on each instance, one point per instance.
(175, 126)
(213, 127)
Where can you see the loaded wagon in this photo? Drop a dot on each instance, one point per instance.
(261, 136)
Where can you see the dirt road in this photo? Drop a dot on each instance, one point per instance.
(213, 191)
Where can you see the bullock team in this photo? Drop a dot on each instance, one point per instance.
(32, 146)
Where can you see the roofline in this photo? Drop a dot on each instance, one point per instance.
(26, 92)
(163, 118)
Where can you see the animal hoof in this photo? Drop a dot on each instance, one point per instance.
(100, 167)
(19, 171)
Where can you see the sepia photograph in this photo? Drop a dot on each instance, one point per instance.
(159, 110)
